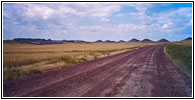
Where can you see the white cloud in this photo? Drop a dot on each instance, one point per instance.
(68, 10)
(98, 9)
(38, 11)
(141, 17)
(174, 14)
(104, 20)
(91, 29)
(81, 10)
(119, 15)
(5, 14)
(168, 20)
(142, 6)
(134, 28)
(167, 25)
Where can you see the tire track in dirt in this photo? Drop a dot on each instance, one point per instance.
(142, 72)
(137, 82)
(109, 86)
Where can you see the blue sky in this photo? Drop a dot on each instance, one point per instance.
(97, 21)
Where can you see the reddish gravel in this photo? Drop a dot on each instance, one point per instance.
(144, 72)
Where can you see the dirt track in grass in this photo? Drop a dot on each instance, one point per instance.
(145, 72)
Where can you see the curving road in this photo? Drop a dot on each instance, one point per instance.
(144, 72)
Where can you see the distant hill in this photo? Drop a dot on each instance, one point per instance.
(109, 41)
(44, 41)
(99, 41)
(121, 41)
(79, 41)
(37, 41)
(162, 40)
(133, 40)
(71, 41)
(188, 39)
(49, 41)
(146, 41)
(12, 42)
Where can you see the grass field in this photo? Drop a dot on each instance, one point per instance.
(21, 59)
(181, 52)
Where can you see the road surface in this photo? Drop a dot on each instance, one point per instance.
(145, 72)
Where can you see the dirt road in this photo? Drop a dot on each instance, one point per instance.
(144, 72)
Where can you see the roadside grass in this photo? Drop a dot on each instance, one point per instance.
(20, 59)
(181, 52)
(14, 72)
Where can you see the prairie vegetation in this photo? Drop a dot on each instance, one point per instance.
(21, 59)
(181, 52)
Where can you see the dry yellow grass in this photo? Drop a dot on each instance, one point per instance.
(24, 59)
(187, 43)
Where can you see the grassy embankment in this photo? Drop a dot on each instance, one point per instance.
(181, 52)
(21, 59)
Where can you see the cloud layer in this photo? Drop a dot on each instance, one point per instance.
(93, 21)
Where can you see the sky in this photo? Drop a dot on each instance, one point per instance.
(97, 21)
